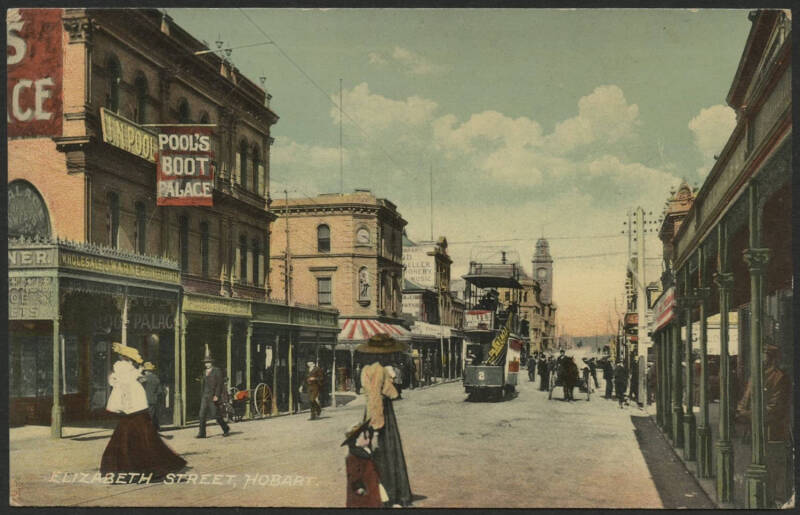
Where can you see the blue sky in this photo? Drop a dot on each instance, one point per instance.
(533, 121)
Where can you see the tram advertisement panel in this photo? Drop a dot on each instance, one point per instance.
(513, 360)
(185, 167)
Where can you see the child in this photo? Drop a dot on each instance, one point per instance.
(363, 484)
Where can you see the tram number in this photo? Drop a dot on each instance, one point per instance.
(481, 376)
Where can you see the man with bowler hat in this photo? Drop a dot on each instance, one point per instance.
(212, 387)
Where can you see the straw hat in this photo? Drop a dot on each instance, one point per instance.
(382, 344)
(148, 366)
(128, 352)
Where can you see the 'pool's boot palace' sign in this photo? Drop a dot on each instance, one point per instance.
(185, 167)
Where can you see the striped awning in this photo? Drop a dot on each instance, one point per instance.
(362, 329)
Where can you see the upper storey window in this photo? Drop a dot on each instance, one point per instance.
(323, 238)
(114, 74)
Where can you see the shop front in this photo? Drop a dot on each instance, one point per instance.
(68, 302)
(355, 331)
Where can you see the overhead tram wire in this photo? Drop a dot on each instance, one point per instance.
(327, 96)
(602, 236)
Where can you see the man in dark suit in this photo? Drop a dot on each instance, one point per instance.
(153, 390)
(212, 388)
(544, 377)
(608, 377)
(314, 381)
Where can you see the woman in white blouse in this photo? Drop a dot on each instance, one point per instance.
(135, 445)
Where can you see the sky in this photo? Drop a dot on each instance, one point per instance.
(531, 122)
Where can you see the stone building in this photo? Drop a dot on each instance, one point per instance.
(116, 265)
(730, 257)
(437, 315)
(345, 252)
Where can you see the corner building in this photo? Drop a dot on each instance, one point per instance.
(109, 264)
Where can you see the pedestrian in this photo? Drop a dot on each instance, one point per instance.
(427, 369)
(633, 393)
(357, 378)
(376, 378)
(212, 388)
(314, 382)
(363, 484)
(569, 377)
(592, 370)
(397, 378)
(412, 365)
(652, 383)
(620, 382)
(153, 390)
(543, 376)
(608, 377)
(135, 446)
(532, 368)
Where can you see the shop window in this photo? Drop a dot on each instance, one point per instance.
(141, 228)
(243, 163)
(243, 258)
(324, 291)
(113, 219)
(323, 238)
(183, 224)
(256, 252)
(140, 85)
(114, 74)
(204, 247)
(184, 115)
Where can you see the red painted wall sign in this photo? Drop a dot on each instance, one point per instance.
(35, 61)
(185, 169)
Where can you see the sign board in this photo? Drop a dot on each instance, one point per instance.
(32, 298)
(185, 169)
(419, 266)
(478, 319)
(34, 65)
(664, 310)
(128, 136)
(412, 304)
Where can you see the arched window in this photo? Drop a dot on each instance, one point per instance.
(184, 116)
(204, 247)
(140, 85)
(323, 238)
(113, 219)
(114, 74)
(27, 212)
(256, 162)
(204, 119)
(243, 163)
(141, 228)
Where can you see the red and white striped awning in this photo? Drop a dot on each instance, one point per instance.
(362, 329)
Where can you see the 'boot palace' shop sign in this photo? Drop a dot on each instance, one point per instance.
(182, 154)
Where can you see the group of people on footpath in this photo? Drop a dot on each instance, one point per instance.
(619, 382)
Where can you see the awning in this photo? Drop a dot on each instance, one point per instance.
(357, 330)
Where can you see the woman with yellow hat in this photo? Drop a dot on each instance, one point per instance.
(377, 381)
(135, 445)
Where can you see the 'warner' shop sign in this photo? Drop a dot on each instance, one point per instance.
(185, 167)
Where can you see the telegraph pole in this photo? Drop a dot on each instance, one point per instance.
(286, 273)
(431, 182)
(641, 306)
(341, 159)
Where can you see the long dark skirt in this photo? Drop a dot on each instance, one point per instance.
(390, 460)
(136, 446)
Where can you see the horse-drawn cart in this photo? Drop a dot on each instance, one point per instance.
(566, 376)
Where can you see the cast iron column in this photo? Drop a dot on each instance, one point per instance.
(667, 382)
(677, 388)
(229, 353)
(182, 343)
(248, 358)
(689, 423)
(55, 414)
(724, 447)
(756, 259)
(703, 429)
(177, 403)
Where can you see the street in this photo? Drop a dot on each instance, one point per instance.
(524, 452)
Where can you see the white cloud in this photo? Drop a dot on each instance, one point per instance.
(604, 116)
(375, 112)
(711, 128)
(408, 60)
(288, 152)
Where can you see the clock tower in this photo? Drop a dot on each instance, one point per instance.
(543, 270)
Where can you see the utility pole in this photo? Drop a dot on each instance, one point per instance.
(641, 306)
(286, 272)
(341, 159)
(431, 177)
